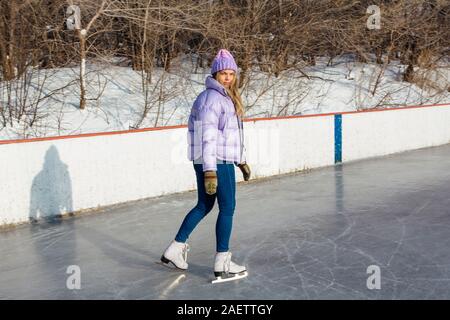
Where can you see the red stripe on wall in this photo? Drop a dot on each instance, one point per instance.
(83, 135)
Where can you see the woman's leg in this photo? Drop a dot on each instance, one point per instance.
(204, 205)
(226, 197)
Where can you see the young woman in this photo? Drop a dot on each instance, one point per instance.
(216, 144)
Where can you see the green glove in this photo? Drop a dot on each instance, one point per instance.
(245, 170)
(210, 182)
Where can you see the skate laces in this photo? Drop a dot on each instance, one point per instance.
(185, 251)
(227, 263)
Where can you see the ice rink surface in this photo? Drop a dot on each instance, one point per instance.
(311, 235)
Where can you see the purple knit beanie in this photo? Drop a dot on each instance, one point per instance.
(223, 60)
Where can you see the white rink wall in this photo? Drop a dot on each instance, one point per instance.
(50, 176)
(377, 133)
(282, 145)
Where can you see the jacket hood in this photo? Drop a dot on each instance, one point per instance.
(212, 83)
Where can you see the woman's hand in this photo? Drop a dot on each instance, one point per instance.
(210, 182)
(245, 170)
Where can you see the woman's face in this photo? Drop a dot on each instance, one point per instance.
(225, 77)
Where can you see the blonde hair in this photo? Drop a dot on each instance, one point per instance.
(235, 96)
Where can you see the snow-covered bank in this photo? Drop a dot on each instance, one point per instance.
(118, 98)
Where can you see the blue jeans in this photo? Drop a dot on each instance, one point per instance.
(226, 192)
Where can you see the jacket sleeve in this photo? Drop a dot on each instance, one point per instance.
(209, 114)
(243, 151)
(244, 155)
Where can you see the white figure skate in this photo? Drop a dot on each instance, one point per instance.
(226, 270)
(176, 254)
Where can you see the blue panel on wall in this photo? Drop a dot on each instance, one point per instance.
(337, 138)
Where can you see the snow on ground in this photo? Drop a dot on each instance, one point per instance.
(118, 99)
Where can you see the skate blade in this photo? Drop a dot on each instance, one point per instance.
(170, 265)
(231, 278)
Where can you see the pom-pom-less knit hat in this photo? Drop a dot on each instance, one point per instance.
(223, 60)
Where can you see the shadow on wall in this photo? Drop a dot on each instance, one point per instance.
(51, 190)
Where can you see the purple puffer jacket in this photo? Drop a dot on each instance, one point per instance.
(214, 129)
